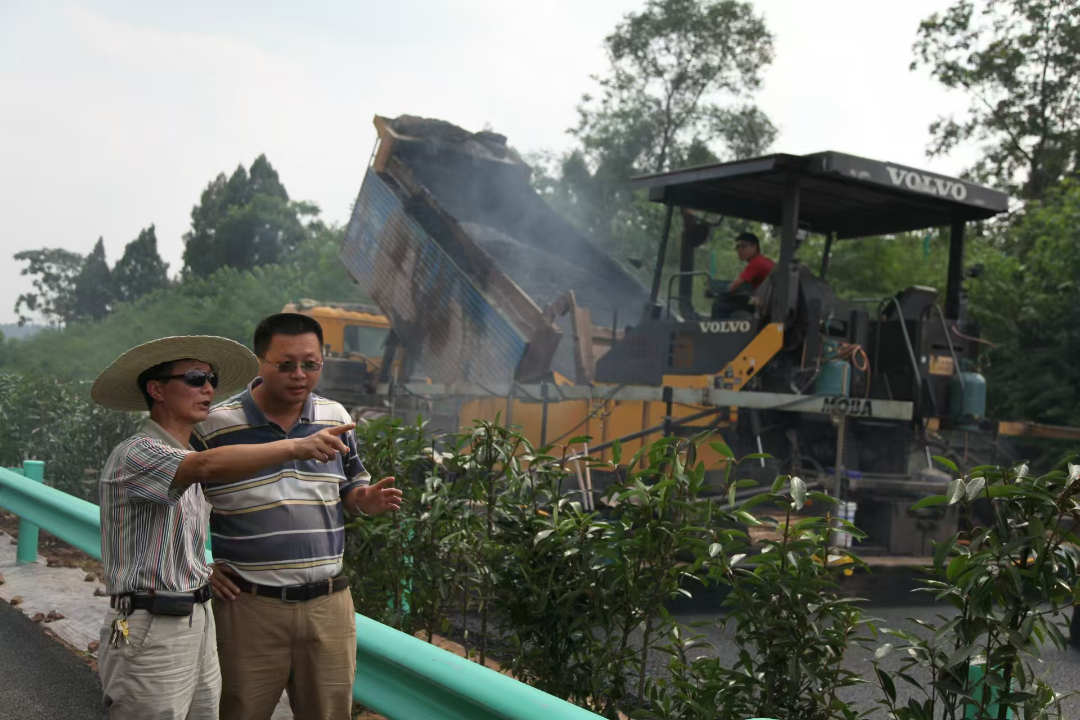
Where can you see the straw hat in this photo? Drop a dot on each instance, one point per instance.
(117, 386)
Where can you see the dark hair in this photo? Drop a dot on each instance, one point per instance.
(154, 373)
(748, 237)
(284, 324)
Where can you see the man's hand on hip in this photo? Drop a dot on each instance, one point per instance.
(374, 499)
(223, 586)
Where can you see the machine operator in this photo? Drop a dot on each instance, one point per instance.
(757, 267)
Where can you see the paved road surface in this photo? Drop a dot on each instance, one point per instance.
(1060, 668)
(40, 679)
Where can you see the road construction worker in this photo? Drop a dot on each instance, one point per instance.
(757, 267)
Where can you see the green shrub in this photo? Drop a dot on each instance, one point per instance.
(785, 617)
(580, 594)
(1011, 584)
(576, 597)
(58, 423)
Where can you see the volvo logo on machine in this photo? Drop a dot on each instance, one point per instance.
(942, 187)
(724, 326)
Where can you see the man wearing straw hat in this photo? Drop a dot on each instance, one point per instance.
(158, 651)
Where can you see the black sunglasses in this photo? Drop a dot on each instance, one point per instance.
(194, 378)
(289, 366)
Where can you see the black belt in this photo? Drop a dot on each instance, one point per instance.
(141, 601)
(294, 593)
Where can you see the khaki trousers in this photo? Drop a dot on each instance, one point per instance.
(167, 670)
(266, 646)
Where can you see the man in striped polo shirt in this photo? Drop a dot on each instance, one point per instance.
(285, 618)
(158, 655)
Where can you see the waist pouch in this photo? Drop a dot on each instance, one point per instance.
(168, 603)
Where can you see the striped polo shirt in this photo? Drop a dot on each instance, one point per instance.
(153, 536)
(284, 525)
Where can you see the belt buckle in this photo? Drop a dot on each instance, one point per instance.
(285, 595)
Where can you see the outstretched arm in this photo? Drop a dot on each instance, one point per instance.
(235, 462)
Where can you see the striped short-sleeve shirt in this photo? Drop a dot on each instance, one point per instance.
(153, 536)
(284, 525)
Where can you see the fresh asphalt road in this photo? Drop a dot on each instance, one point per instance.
(1061, 669)
(40, 679)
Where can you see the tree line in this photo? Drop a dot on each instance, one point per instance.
(242, 221)
(250, 249)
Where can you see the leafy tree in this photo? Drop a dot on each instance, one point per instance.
(93, 286)
(1019, 63)
(660, 106)
(668, 62)
(264, 179)
(243, 222)
(878, 267)
(1029, 306)
(141, 270)
(54, 271)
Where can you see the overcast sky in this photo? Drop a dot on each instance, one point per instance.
(115, 115)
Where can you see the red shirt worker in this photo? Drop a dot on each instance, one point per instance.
(757, 267)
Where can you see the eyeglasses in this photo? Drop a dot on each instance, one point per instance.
(308, 366)
(194, 378)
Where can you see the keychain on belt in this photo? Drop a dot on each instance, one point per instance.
(120, 624)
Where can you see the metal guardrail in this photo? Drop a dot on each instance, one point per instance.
(69, 518)
(397, 675)
(405, 678)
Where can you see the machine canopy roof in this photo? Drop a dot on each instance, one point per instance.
(843, 194)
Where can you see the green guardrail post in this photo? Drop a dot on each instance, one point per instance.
(976, 673)
(26, 552)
